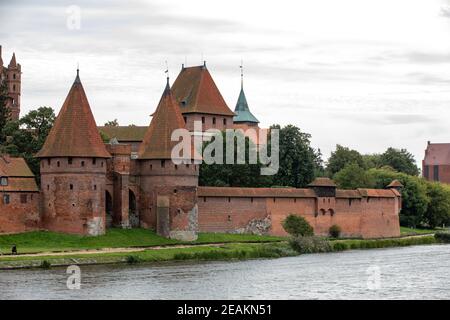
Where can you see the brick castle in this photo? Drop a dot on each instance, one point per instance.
(88, 185)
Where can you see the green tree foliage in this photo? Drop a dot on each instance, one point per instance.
(400, 160)
(27, 136)
(352, 176)
(414, 195)
(112, 123)
(298, 160)
(297, 226)
(438, 211)
(335, 231)
(372, 161)
(341, 157)
(5, 112)
(233, 175)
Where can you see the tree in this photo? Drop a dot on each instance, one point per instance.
(414, 195)
(233, 175)
(400, 160)
(112, 123)
(372, 160)
(438, 210)
(341, 157)
(5, 112)
(352, 176)
(298, 160)
(297, 226)
(27, 136)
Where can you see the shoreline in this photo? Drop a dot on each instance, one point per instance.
(195, 252)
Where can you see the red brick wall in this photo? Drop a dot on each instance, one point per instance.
(19, 217)
(208, 124)
(80, 210)
(377, 218)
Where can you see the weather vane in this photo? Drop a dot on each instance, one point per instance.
(242, 73)
(167, 70)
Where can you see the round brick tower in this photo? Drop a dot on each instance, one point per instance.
(73, 170)
(168, 201)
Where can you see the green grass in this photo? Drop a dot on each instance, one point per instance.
(340, 245)
(412, 231)
(43, 241)
(229, 251)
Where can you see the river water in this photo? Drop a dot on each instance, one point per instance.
(419, 272)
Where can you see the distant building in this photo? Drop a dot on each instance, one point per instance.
(12, 76)
(436, 163)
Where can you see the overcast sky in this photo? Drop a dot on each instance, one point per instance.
(367, 74)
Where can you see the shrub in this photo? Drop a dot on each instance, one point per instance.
(133, 259)
(45, 264)
(340, 246)
(335, 231)
(297, 226)
(310, 245)
(442, 237)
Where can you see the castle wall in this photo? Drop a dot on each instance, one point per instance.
(21, 214)
(73, 195)
(366, 217)
(207, 121)
(177, 183)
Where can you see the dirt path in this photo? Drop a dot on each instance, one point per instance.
(116, 250)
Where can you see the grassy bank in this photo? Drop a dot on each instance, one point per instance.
(340, 245)
(42, 241)
(231, 251)
(405, 231)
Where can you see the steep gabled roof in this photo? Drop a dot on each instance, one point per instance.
(125, 133)
(195, 91)
(157, 142)
(437, 154)
(14, 167)
(242, 110)
(74, 133)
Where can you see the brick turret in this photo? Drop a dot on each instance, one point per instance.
(168, 201)
(73, 169)
(12, 75)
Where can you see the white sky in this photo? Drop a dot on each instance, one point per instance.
(367, 74)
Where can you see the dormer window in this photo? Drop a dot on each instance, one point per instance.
(3, 181)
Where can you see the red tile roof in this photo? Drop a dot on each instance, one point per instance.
(395, 184)
(74, 133)
(195, 91)
(347, 194)
(20, 177)
(322, 182)
(377, 193)
(255, 192)
(125, 133)
(14, 167)
(437, 154)
(157, 142)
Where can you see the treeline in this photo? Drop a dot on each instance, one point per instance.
(425, 204)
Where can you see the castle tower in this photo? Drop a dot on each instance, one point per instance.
(73, 169)
(12, 75)
(200, 100)
(243, 119)
(168, 201)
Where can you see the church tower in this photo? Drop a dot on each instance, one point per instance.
(73, 169)
(168, 201)
(12, 75)
(243, 119)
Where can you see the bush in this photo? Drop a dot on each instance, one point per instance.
(297, 226)
(310, 245)
(133, 259)
(335, 231)
(340, 246)
(442, 237)
(45, 264)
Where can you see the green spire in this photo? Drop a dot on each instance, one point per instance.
(242, 110)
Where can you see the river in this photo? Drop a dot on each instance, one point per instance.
(418, 272)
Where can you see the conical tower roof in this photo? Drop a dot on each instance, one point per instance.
(74, 133)
(13, 63)
(195, 91)
(157, 142)
(242, 110)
